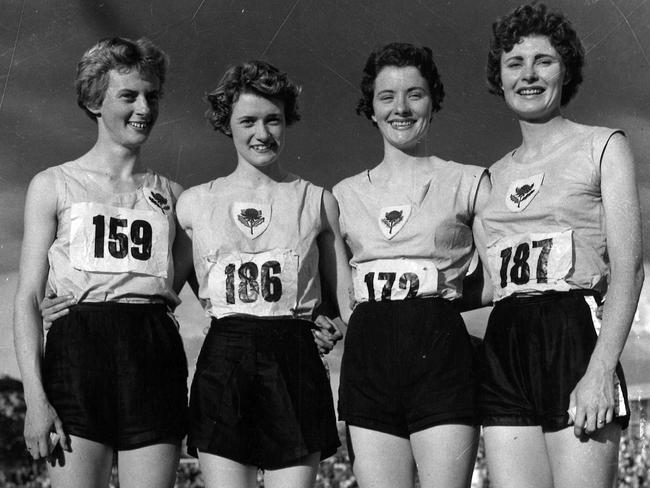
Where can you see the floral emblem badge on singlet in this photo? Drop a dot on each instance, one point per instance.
(392, 219)
(251, 218)
(156, 200)
(521, 192)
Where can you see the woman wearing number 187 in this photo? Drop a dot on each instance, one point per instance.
(563, 232)
(102, 227)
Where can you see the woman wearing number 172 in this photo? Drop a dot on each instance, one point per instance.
(412, 225)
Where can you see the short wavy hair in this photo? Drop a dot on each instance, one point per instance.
(399, 54)
(115, 53)
(535, 19)
(257, 77)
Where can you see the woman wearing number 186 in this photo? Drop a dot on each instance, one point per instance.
(262, 238)
(102, 227)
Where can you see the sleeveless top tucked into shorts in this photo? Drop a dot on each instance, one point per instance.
(408, 364)
(406, 246)
(255, 250)
(112, 247)
(547, 254)
(544, 221)
(260, 395)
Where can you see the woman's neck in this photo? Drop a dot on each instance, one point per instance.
(259, 176)
(537, 138)
(400, 164)
(116, 162)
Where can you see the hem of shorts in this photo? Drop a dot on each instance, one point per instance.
(136, 442)
(460, 417)
(325, 452)
(558, 422)
(464, 417)
(519, 421)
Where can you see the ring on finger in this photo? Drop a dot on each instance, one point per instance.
(601, 422)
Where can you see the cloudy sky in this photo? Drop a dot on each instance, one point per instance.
(323, 44)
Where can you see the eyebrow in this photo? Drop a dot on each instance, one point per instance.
(410, 89)
(537, 56)
(123, 91)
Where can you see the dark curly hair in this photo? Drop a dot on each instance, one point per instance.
(120, 54)
(535, 19)
(399, 54)
(258, 77)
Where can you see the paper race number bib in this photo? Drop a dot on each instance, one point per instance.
(263, 284)
(534, 262)
(107, 239)
(394, 279)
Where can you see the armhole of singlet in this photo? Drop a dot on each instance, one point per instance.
(602, 151)
(315, 194)
(338, 204)
(476, 184)
(61, 189)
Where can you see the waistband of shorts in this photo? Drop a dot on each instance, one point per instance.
(154, 306)
(420, 301)
(551, 296)
(254, 325)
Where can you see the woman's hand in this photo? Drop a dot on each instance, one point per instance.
(327, 333)
(53, 307)
(592, 402)
(43, 430)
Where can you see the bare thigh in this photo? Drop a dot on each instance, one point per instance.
(381, 460)
(154, 465)
(589, 462)
(445, 455)
(517, 457)
(87, 466)
(221, 472)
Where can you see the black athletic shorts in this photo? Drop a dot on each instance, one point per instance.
(260, 395)
(536, 349)
(116, 373)
(407, 365)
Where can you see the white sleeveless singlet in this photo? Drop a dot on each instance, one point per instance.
(402, 248)
(545, 222)
(112, 247)
(255, 251)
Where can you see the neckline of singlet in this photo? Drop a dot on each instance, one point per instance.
(410, 198)
(289, 178)
(541, 160)
(143, 184)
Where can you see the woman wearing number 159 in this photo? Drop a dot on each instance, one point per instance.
(102, 227)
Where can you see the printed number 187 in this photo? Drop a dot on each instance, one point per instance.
(520, 271)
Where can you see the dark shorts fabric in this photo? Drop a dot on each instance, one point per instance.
(116, 373)
(536, 349)
(260, 395)
(407, 366)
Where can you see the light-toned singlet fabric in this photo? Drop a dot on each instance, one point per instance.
(112, 247)
(255, 250)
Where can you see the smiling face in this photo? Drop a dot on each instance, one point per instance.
(402, 106)
(257, 124)
(129, 109)
(532, 77)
